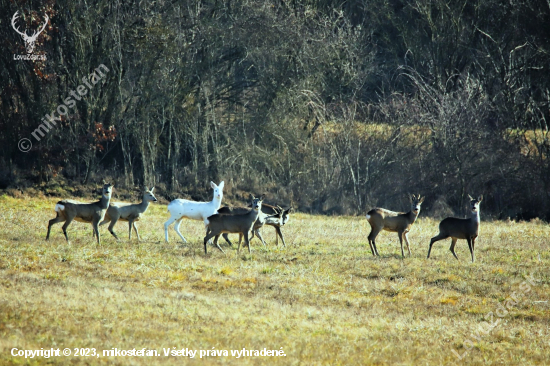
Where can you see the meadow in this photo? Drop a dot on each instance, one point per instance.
(324, 299)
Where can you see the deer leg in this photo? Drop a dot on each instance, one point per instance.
(217, 245)
(452, 248)
(208, 236)
(166, 225)
(95, 225)
(247, 241)
(375, 249)
(371, 248)
(206, 227)
(177, 228)
(279, 233)
(51, 222)
(471, 246)
(132, 224)
(400, 234)
(406, 236)
(226, 237)
(371, 242)
(65, 226)
(260, 237)
(372, 236)
(136, 230)
(239, 246)
(101, 223)
(111, 226)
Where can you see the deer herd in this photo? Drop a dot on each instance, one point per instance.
(247, 221)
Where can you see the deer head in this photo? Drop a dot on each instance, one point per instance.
(474, 203)
(29, 40)
(416, 201)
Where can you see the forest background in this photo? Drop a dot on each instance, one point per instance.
(331, 106)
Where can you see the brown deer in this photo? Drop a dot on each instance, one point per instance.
(128, 212)
(398, 222)
(237, 224)
(276, 219)
(460, 229)
(69, 210)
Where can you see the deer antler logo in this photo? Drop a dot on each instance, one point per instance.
(29, 40)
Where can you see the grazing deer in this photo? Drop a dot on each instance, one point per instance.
(399, 222)
(263, 219)
(68, 210)
(460, 228)
(128, 212)
(238, 224)
(180, 209)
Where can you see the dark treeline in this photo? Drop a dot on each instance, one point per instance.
(333, 106)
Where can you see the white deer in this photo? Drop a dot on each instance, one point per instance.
(180, 209)
(29, 40)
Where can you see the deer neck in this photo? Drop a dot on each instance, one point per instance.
(412, 216)
(144, 205)
(256, 213)
(104, 201)
(475, 217)
(216, 202)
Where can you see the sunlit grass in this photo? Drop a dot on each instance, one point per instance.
(324, 298)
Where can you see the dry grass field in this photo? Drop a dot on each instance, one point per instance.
(324, 299)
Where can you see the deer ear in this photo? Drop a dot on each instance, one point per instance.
(213, 185)
(480, 198)
(152, 189)
(421, 199)
(471, 198)
(262, 197)
(222, 183)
